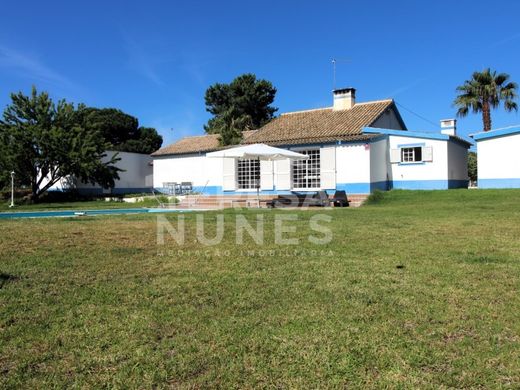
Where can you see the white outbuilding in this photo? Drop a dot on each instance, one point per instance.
(498, 158)
(136, 176)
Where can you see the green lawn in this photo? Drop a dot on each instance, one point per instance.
(420, 290)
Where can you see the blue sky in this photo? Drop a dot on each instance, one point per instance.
(155, 59)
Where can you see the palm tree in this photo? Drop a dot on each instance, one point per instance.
(484, 91)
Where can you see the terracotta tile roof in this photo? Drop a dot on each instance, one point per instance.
(321, 125)
(300, 127)
(196, 144)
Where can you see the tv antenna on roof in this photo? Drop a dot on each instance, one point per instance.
(334, 62)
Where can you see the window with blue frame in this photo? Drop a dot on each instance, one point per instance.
(413, 154)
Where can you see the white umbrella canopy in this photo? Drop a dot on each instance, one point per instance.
(258, 151)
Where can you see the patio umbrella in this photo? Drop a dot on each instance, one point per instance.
(258, 151)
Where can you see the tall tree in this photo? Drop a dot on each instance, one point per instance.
(485, 91)
(245, 103)
(5, 167)
(146, 141)
(44, 142)
(121, 130)
(116, 126)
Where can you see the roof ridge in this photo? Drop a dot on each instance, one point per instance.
(207, 135)
(196, 136)
(330, 108)
(302, 111)
(375, 101)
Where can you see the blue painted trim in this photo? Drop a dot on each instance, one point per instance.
(411, 145)
(303, 146)
(429, 184)
(415, 134)
(332, 143)
(453, 183)
(354, 188)
(499, 183)
(375, 139)
(406, 133)
(495, 133)
(208, 190)
(412, 163)
(381, 185)
(350, 188)
(322, 144)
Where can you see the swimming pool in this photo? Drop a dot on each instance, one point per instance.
(79, 213)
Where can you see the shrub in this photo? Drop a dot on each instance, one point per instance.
(375, 197)
(5, 194)
(472, 166)
(63, 196)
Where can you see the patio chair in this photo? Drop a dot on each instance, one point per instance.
(186, 187)
(171, 187)
(340, 199)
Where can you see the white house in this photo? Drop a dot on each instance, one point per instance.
(356, 147)
(498, 158)
(136, 176)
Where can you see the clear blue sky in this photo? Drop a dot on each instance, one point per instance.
(155, 59)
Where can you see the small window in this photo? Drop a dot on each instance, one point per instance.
(411, 154)
(248, 174)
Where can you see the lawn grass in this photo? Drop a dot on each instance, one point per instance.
(419, 290)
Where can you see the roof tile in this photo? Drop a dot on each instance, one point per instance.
(196, 144)
(297, 128)
(321, 125)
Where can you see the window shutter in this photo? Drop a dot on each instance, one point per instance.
(427, 153)
(283, 174)
(328, 167)
(266, 175)
(229, 182)
(395, 155)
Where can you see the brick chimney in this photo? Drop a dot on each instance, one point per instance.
(344, 99)
(449, 126)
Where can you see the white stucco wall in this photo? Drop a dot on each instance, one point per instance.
(353, 163)
(352, 166)
(499, 162)
(420, 175)
(195, 168)
(380, 162)
(359, 168)
(136, 174)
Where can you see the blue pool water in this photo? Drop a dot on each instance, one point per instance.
(77, 213)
